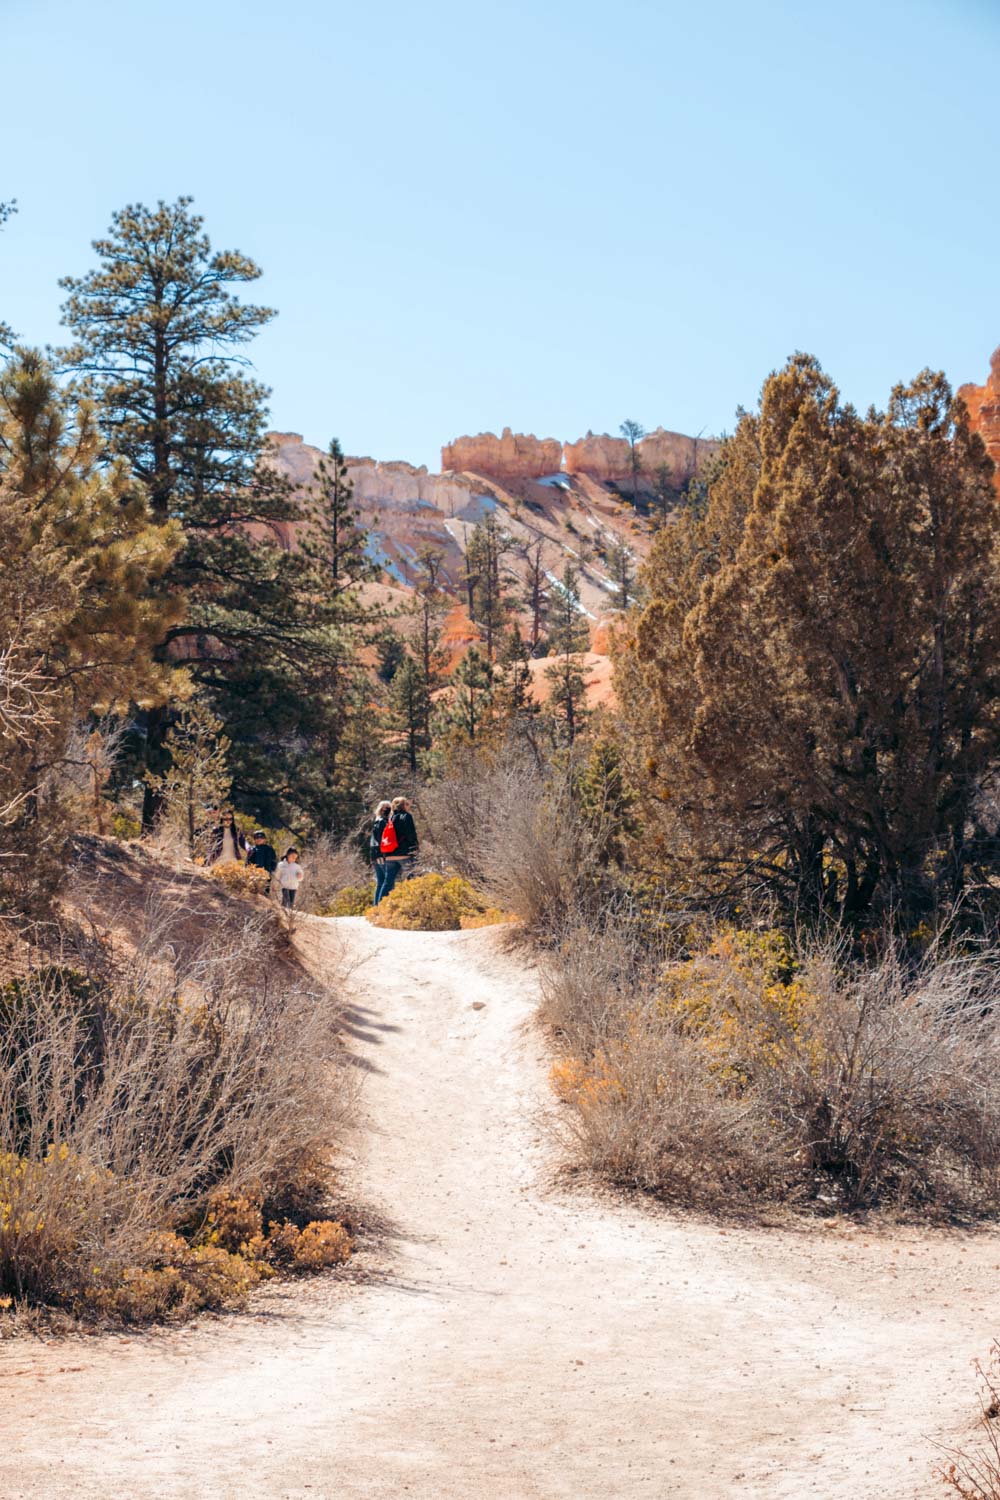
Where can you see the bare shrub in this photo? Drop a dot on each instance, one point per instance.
(749, 1072)
(333, 865)
(974, 1472)
(516, 835)
(125, 1103)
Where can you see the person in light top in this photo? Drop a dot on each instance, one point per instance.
(290, 877)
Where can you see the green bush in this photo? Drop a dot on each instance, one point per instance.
(352, 901)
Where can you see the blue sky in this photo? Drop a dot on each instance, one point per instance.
(551, 216)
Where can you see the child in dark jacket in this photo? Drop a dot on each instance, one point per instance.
(262, 855)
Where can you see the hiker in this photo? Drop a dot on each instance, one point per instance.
(262, 855)
(290, 877)
(399, 844)
(226, 841)
(382, 812)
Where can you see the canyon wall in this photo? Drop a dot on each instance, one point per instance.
(519, 455)
(983, 402)
(512, 455)
(608, 458)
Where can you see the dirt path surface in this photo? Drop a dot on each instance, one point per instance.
(516, 1340)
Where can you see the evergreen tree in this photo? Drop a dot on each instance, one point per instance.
(820, 650)
(82, 563)
(333, 496)
(431, 602)
(7, 334)
(490, 604)
(472, 699)
(569, 636)
(633, 433)
(535, 592)
(198, 775)
(515, 701)
(410, 703)
(621, 566)
(160, 340)
(663, 491)
(607, 802)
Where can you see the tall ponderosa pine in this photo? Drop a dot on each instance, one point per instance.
(821, 651)
(160, 344)
(7, 334)
(633, 433)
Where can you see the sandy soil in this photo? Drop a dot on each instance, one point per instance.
(514, 1339)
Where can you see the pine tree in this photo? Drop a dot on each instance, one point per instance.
(267, 631)
(472, 698)
(490, 604)
(515, 701)
(431, 602)
(569, 636)
(633, 433)
(535, 593)
(198, 775)
(410, 703)
(621, 566)
(7, 334)
(333, 497)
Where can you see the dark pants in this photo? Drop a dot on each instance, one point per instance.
(380, 866)
(287, 898)
(390, 873)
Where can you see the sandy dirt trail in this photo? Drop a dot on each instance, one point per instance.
(517, 1339)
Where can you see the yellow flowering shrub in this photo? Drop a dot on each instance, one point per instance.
(429, 903)
(240, 878)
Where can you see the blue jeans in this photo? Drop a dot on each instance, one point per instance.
(390, 872)
(386, 871)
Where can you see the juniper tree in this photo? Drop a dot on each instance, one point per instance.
(84, 605)
(820, 652)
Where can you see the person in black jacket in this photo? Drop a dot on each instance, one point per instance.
(261, 854)
(375, 848)
(402, 860)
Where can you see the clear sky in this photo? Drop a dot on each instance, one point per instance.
(550, 215)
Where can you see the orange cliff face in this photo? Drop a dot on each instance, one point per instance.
(609, 458)
(983, 402)
(512, 455)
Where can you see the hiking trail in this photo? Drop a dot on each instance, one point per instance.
(515, 1338)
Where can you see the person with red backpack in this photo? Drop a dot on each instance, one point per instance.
(378, 859)
(398, 844)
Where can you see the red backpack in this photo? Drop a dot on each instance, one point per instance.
(389, 842)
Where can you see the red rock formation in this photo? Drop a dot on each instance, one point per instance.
(512, 455)
(983, 402)
(608, 458)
